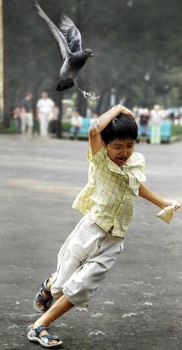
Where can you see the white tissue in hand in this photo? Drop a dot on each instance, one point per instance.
(167, 213)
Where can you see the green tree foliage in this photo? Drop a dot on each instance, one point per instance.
(136, 45)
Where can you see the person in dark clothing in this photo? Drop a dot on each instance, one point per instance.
(26, 115)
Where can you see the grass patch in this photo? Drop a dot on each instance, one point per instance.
(176, 130)
(66, 125)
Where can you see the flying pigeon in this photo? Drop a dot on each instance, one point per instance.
(69, 42)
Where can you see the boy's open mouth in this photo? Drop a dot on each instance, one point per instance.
(121, 160)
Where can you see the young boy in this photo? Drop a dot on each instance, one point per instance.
(116, 177)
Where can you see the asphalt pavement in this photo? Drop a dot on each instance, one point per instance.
(139, 305)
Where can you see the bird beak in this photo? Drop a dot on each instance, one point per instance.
(92, 55)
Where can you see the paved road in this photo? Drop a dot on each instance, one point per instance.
(139, 305)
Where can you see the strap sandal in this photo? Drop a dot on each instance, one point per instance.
(44, 340)
(41, 300)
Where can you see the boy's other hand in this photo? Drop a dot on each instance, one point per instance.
(124, 110)
(173, 203)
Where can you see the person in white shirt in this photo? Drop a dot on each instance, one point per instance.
(45, 111)
(156, 119)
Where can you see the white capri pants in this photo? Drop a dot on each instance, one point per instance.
(83, 260)
(44, 123)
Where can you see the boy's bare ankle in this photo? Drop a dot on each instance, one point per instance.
(38, 324)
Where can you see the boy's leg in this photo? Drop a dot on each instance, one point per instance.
(84, 281)
(43, 298)
(54, 282)
(61, 306)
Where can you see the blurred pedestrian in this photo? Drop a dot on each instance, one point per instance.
(116, 177)
(45, 112)
(155, 121)
(26, 115)
(54, 120)
(143, 124)
(16, 113)
(76, 123)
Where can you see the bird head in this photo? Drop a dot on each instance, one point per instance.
(88, 53)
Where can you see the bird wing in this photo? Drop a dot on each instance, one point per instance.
(71, 34)
(62, 43)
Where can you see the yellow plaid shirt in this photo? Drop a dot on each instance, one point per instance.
(111, 191)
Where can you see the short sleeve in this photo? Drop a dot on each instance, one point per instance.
(139, 167)
(136, 167)
(98, 157)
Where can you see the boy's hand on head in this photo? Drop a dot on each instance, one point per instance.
(96, 128)
(124, 110)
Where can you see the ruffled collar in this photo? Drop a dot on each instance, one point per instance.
(135, 161)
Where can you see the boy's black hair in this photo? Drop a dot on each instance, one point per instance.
(123, 127)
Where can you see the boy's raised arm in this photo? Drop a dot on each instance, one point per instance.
(100, 123)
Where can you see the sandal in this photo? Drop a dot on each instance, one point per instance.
(40, 299)
(33, 335)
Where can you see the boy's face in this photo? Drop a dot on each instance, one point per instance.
(119, 151)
